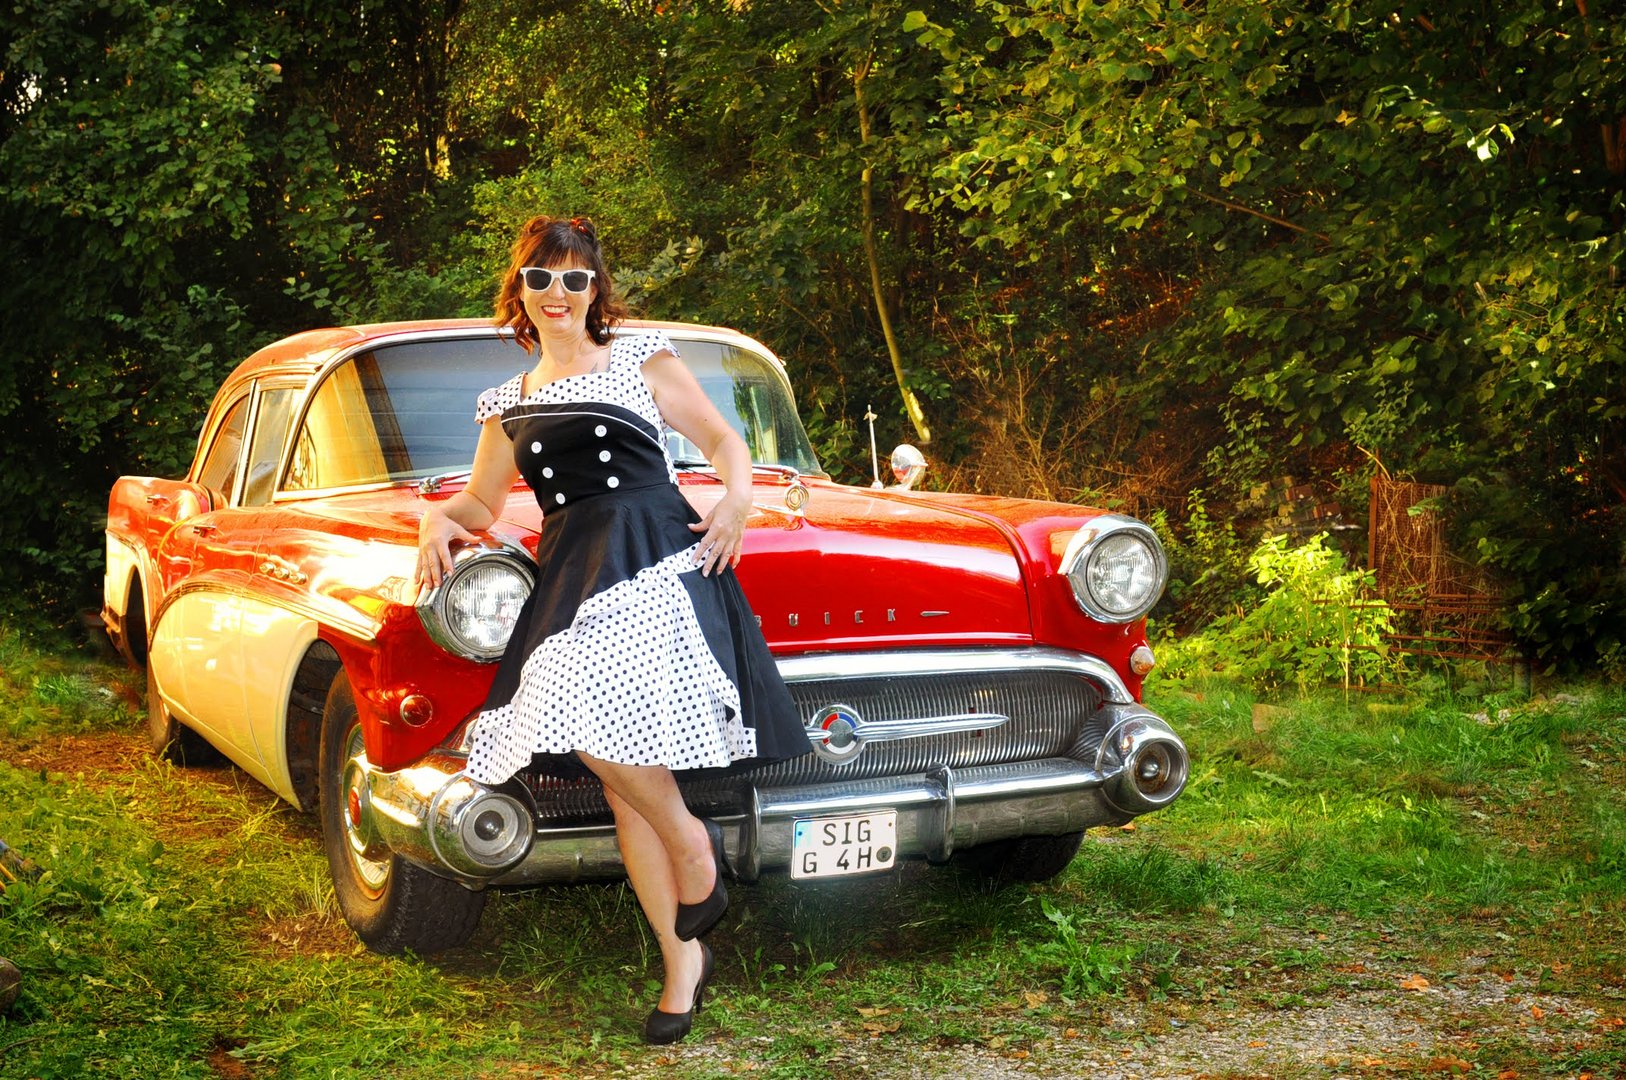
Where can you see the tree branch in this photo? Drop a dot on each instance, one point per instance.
(1272, 218)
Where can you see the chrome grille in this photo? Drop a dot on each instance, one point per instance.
(1051, 713)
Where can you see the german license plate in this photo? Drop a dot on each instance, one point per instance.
(833, 846)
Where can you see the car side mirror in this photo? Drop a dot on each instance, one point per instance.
(908, 466)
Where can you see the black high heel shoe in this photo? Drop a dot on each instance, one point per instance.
(661, 1028)
(695, 919)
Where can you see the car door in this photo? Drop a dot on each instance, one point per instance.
(207, 561)
(276, 626)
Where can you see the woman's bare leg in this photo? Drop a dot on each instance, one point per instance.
(668, 857)
(651, 791)
(649, 868)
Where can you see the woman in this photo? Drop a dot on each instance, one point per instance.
(636, 653)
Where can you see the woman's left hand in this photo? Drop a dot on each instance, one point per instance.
(723, 542)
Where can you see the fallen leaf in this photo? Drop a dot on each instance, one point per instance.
(872, 1012)
(1257, 1044)
(1608, 1023)
(1127, 827)
(1507, 1074)
(875, 1027)
(1019, 1055)
(1070, 1033)
(1537, 1012)
(998, 1042)
(1035, 998)
(1414, 982)
(1448, 1064)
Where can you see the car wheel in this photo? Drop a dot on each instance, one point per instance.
(132, 640)
(392, 904)
(1025, 859)
(172, 740)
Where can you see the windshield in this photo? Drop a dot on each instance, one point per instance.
(403, 412)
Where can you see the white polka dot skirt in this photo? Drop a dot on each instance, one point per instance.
(632, 680)
(624, 651)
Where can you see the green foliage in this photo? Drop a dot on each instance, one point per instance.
(1315, 625)
(1130, 251)
(168, 202)
(1402, 227)
(1087, 968)
(1209, 568)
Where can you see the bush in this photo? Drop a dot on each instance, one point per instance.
(1314, 626)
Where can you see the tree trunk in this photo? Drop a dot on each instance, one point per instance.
(911, 404)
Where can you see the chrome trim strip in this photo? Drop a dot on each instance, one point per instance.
(363, 631)
(125, 540)
(813, 667)
(302, 494)
(898, 730)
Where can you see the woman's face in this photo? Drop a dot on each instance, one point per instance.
(557, 314)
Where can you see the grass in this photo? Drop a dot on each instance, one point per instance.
(184, 926)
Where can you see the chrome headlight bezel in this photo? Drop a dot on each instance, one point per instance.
(1090, 545)
(434, 609)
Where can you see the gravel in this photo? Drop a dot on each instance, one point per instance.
(1363, 1018)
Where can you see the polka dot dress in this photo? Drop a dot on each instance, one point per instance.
(623, 651)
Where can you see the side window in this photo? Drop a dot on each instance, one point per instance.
(265, 452)
(219, 471)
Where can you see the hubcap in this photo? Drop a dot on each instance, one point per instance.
(372, 873)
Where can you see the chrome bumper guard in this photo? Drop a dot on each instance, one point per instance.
(434, 815)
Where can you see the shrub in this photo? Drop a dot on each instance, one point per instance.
(1314, 626)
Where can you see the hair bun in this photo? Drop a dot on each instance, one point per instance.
(536, 226)
(585, 227)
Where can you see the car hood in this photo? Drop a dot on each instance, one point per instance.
(856, 569)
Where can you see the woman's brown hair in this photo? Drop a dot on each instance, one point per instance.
(549, 241)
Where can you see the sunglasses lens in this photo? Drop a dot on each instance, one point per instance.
(536, 280)
(576, 280)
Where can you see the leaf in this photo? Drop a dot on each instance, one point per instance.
(914, 21)
(1414, 982)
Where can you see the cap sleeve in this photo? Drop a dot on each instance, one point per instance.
(493, 401)
(647, 344)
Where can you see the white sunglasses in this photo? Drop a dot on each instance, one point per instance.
(540, 278)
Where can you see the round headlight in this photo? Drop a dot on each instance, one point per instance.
(474, 610)
(1117, 569)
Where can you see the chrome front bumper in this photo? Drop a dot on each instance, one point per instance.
(436, 816)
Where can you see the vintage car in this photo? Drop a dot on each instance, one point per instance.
(968, 668)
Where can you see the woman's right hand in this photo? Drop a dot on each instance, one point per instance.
(435, 535)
